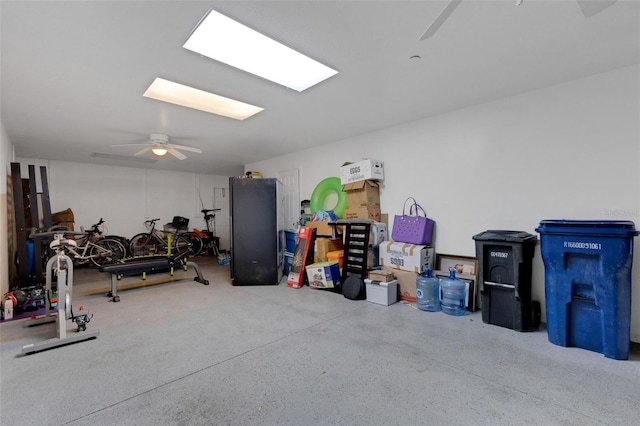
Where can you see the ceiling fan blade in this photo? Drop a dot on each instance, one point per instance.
(185, 148)
(132, 144)
(143, 150)
(177, 154)
(442, 17)
(593, 7)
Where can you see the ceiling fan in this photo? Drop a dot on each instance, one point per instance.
(159, 145)
(589, 8)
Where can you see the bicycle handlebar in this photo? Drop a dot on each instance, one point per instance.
(150, 221)
(94, 227)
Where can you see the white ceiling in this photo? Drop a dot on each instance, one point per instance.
(73, 73)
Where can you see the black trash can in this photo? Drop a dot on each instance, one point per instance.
(504, 272)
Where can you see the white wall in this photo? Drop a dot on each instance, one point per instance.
(570, 151)
(125, 197)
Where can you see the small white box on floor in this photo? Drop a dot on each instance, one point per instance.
(382, 293)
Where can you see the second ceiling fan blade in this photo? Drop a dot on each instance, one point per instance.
(185, 148)
(177, 154)
(442, 17)
(593, 7)
(143, 150)
(132, 144)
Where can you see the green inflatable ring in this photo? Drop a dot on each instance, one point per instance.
(322, 191)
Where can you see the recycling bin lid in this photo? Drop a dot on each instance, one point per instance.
(504, 235)
(600, 227)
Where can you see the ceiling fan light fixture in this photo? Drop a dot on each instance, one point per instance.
(159, 151)
(223, 39)
(179, 94)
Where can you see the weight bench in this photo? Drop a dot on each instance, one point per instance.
(149, 264)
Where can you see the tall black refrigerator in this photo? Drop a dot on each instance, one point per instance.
(257, 228)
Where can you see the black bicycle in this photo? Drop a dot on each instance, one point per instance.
(164, 242)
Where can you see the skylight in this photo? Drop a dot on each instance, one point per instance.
(223, 39)
(179, 94)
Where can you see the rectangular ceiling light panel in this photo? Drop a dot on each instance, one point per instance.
(179, 94)
(223, 39)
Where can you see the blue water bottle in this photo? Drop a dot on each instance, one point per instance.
(428, 292)
(452, 295)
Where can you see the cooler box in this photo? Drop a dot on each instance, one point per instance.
(382, 293)
(588, 283)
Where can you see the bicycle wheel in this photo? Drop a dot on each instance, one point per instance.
(124, 241)
(182, 242)
(107, 251)
(197, 244)
(143, 245)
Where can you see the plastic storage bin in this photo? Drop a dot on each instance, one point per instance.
(504, 272)
(290, 239)
(588, 284)
(288, 258)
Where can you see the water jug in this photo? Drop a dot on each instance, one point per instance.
(452, 295)
(428, 292)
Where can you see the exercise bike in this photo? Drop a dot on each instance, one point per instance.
(62, 264)
(209, 237)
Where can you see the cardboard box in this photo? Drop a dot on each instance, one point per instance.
(325, 229)
(62, 216)
(405, 256)
(324, 246)
(323, 275)
(363, 193)
(362, 170)
(337, 255)
(379, 275)
(302, 256)
(406, 283)
(372, 213)
(382, 293)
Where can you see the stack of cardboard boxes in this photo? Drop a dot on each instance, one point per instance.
(400, 262)
(406, 261)
(360, 182)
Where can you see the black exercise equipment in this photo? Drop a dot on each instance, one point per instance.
(144, 265)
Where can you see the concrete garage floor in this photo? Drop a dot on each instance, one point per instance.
(181, 353)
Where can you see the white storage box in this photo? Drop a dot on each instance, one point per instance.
(382, 293)
(362, 170)
(405, 256)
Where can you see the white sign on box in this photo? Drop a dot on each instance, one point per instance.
(362, 170)
(405, 256)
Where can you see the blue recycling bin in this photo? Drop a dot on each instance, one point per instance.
(588, 283)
